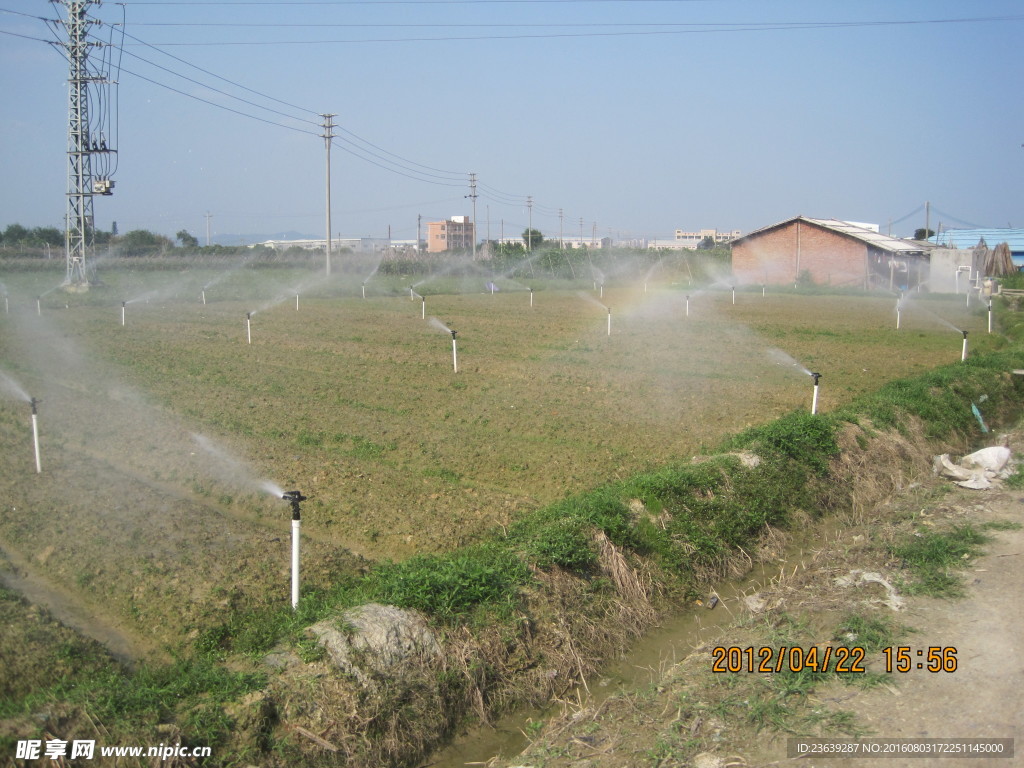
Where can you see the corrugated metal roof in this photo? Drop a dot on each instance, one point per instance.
(869, 236)
(968, 238)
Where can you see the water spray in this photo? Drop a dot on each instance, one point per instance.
(294, 497)
(248, 326)
(124, 305)
(7, 305)
(35, 432)
(814, 400)
(963, 353)
(455, 353)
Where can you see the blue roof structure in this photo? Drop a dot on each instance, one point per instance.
(968, 238)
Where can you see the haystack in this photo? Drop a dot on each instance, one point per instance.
(1000, 262)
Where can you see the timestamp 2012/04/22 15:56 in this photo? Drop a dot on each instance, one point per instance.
(843, 659)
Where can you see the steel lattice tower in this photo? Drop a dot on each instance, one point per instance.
(78, 237)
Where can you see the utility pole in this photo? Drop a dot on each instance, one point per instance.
(79, 230)
(472, 196)
(327, 135)
(419, 240)
(561, 243)
(927, 218)
(208, 229)
(529, 230)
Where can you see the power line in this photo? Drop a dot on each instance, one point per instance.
(692, 29)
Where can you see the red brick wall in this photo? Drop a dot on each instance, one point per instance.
(779, 255)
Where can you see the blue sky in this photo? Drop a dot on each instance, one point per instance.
(641, 116)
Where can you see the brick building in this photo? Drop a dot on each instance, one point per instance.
(454, 234)
(829, 252)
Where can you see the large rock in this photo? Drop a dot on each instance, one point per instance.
(374, 639)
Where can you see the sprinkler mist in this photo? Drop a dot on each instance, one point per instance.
(963, 353)
(124, 305)
(35, 432)
(248, 326)
(294, 497)
(814, 400)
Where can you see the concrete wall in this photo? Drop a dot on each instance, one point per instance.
(942, 275)
(778, 256)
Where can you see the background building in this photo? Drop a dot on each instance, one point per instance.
(454, 234)
(828, 252)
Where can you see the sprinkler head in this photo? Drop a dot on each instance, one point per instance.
(124, 304)
(248, 315)
(34, 402)
(453, 334)
(294, 497)
(816, 376)
(965, 335)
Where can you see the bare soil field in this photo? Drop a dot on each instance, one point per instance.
(355, 402)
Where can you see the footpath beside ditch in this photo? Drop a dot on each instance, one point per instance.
(690, 716)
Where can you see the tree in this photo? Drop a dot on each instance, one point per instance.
(707, 244)
(923, 234)
(187, 240)
(532, 238)
(141, 241)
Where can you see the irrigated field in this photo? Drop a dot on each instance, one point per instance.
(355, 402)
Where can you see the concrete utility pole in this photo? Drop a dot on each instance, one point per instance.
(472, 196)
(208, 217)
(529, 229)
(78, 234)
(419, 240)
(561, 243)
(328, 134)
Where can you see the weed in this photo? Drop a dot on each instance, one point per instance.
(932, 556)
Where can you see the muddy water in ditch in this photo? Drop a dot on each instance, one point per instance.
(672, 641)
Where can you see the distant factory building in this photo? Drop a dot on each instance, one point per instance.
(454, 234)
(690, 240)
(828, 252)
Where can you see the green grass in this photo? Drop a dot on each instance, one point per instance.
(934, 557)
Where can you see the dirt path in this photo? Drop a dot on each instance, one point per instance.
(984, 698)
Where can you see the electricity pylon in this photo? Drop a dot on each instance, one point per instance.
(83, 140)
